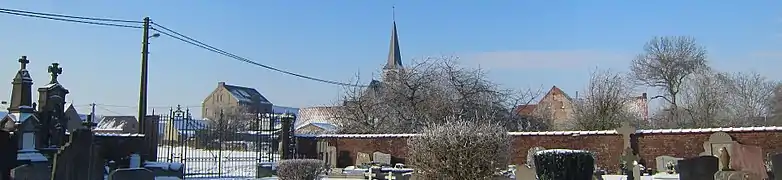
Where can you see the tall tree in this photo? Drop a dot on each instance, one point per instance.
(430, 92)
(704, 98)
(606, 103)
(751, 98)
(665, 64)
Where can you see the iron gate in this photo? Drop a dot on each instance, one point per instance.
(225, 147)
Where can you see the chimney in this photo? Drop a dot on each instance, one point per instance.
(221, 83)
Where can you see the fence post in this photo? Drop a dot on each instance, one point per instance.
(286, 136)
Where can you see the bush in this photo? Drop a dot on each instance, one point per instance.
(564, 164)
(300, 169)
(460, 150)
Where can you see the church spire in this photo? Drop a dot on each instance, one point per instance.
(394, 55)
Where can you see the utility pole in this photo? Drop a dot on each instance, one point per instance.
(142, 99)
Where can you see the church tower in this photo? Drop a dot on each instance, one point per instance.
(21, 95)
(394, 61)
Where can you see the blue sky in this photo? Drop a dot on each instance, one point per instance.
(521, 43)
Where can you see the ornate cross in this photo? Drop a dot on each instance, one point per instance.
(55, 70)
(24, 62)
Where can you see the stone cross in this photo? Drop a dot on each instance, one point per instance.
(390, 176)
(24, 62)
(626, 130)
(369, 173)
(55, 70)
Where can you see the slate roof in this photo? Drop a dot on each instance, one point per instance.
(245, 94)
(117, 122)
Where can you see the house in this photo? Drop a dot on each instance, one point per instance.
(227, 98)
(178, 129)
(555, 106)
(317, 128)
(117, 124)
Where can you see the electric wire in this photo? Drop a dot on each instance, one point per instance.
(70, 16)
(69, 20)
(175, 35)
(202, 45)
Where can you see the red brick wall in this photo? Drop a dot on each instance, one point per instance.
(607, 148)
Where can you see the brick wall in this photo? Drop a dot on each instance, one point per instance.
(607, 147)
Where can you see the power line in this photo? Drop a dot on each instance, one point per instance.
(202, 45)
(68, 20)
(70, 16)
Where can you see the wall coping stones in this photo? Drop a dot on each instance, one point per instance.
(564, 133)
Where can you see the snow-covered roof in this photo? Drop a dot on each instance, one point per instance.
(565, 133)
(117, 122)
(325, 114)
(285, 110)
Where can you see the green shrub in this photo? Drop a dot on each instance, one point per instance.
(459, 150)
(300, 169)
(564, 164)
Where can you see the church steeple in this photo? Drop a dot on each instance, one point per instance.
(394, 61)
(21, 95)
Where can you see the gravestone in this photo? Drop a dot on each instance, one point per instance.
(132, 174)
(662, 162)
(382, 158)
(776, 166)
(79, 159)
(717, 141)
(34, 171)
(531, 156)
(698, 168)
(362, 158)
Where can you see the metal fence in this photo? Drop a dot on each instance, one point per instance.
(220, 149)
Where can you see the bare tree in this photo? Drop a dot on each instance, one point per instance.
(665, 64)
(776, 107)
(432, 91)
(751, 98)
(606, 103)
(704, 99)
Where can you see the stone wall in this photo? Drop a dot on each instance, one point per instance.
(607, 145)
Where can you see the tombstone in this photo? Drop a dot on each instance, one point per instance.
(79, 159)
(776, 166)
(525, 172)
(381, 158)
(327, 153)
(698, 168)
(662, 162)
(35, 171)
(717, 141)
(362, 158)
(531, 156)
(132, 174)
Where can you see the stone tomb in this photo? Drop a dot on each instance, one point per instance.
(698, 168)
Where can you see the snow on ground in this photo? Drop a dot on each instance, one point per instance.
(200, 163)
